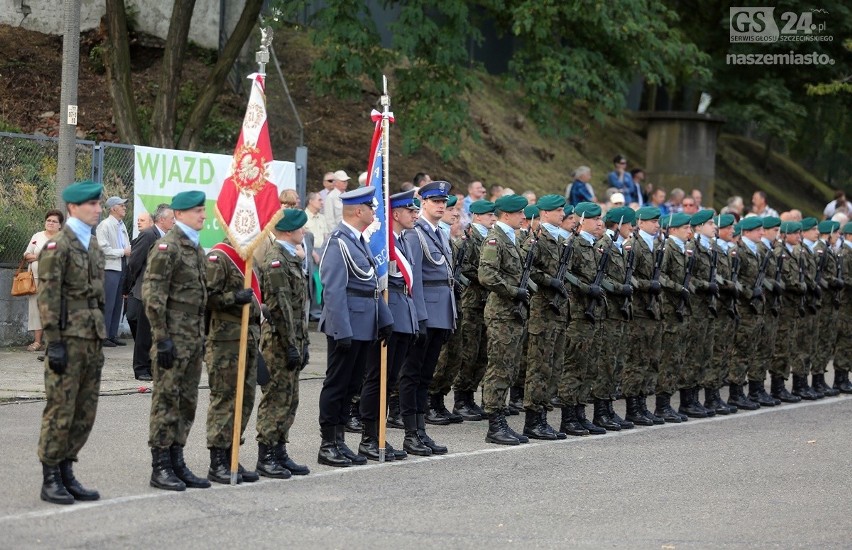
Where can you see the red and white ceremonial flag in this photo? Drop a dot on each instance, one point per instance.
(248, 206)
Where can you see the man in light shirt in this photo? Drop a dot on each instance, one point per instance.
(333, 207)
(115, 243)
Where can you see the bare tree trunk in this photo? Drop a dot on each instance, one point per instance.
(118, 73)
(165, 105)
(767, 153)
(213, 85)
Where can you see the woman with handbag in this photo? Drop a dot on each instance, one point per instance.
(52, 224)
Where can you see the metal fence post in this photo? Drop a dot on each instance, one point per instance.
(302, 172)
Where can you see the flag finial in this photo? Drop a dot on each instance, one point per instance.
(262, 55)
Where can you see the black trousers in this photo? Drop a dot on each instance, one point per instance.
(141, 336)
(418, 370)
(398, 344)
(343, 375)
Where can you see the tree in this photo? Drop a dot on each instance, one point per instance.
(117, 65)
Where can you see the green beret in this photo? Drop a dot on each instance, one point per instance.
(847, 228)
(725, 220)
(737, 229)
(511, 203)
(648, 213)
(771, 221)
(587, 210)
(82, 191)
(452, 200)
(702, 216)
(188, 199)
(550, 202)
(620, 214)
(481, 206)
(751, 223)
(809, 223)
(791, 227)
(569, 209)
(531, 211)
(678, 220)
(828, 226)
(293, 219)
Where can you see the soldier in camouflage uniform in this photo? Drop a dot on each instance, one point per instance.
(769, 332)
(808, 334)
(646, 328)
(506, 310)
(567, 231)
(474, 359)
(175, 296)
(528, 232)
(829, 285)
(790, 311)
(546, 323)
(284, 345)
(70, 301)
(842, 360)
(225, 299)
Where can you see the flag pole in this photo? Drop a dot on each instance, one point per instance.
(383, 348)
(262, 58)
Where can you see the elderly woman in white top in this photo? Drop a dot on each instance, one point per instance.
(52, 224)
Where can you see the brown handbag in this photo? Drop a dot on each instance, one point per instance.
(24, 283)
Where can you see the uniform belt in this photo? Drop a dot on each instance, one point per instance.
(363, 293)
(91, 303)
(443, 282)
(399, 289)
(226, 317)
(186, 308)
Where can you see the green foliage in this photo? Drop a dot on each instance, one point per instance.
(6, 127)
(96, 58)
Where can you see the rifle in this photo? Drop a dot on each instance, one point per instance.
(812, 304)
(564, 262)
(655, 277)
(459, 279)
(599, 275)
(839, 277)
(776, 302)
(626, 310)
(690, 264)
(714, 264)
(733, 310)
(525, 276)
(801, 282)
(758, 282)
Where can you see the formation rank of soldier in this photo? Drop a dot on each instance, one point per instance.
(545, 307)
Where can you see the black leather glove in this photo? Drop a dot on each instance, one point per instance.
(243, 296)
(559, 287)
(776, 289)
(684, 293)
(343, 344)
(523, 295)
(818, 292)
(166, 353)
(626, 290)
(655, 287)
(384, 333)
(595, 291)
(294, 359)
(713, 288)
(421, 333)
(838, 284)
(757, 292)
(306, 356)
(57, 357)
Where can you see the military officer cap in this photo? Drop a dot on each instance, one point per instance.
(188, 199)
(531, 211)
(569, 209)
(790, 227)
(362, 195)
(724, 220)
(550, 202)
(435, 190)
(481, 206)
(620, 214)
(587, 210)
(648, 213)
(404, 200)
(82, 191)
(293, 219)
(847, 228)
(828, 226)
(451, 201)
(808, 223)
(702, 216)
(771, 221)
(510, 203)
(751, 223)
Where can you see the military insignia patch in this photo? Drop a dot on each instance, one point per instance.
(163, 246)
(492, 241)
(51, 245)
(213, 258)
(275, 263)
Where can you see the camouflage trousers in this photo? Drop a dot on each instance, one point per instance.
(504, 355)
(540, 358)
(579, 369)
(723, 349)
(806, 338)
(175, 395)
(746, 342)
(449, 364)
(222, 364)
(474, 352)
(825, 343)
(784, 352)
(521, 372)
(698, 340)
(642, 363)
(71, 401)
(765, 348)
(611, 352)
(672, 357)
(277, 410)
(843, 360)
(559, 344)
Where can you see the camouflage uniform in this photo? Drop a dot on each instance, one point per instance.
(702, 324)
(450, 359)
(770, 318)
(223, 350)
(612, 346)
(751, 317)
(474, 351)
(175, 295)
(72, 275)
(807, 334)
(639, 377)
(726, 324)
(788, 320)
(827, 314)
(843, 360)
(284, 288)
(676, 333)
(516, 392)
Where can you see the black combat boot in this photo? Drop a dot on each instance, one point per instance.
(648, 414)
(802, 389)
(737, 398)
(757, 393)
(394, 419)
(533, 427)
(664, 409)
(369, 446)
(52, 488)
(474, 406)
(285, 460)
(547, 426)
(516, 399)
(412, 442)
(635, 413)
(570, 425)
(580, 411)
(498, 431)
(72, 485)
(823, 388)
(434, 414)
(688, 405)
(182, 471)
(713, 401)
(841, 381)
(162, 475)
(268, 464)
(249, 476)
(625, 424)
(329, 454)
(696, 402)
(779, 390)
(220, 470)
(442, 409)
(398, 454)
(353, 423)
(424, 437)
(340, 437)
(462, 407)
(602, 417)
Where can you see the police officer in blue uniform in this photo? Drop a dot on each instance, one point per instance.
(354, 317)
